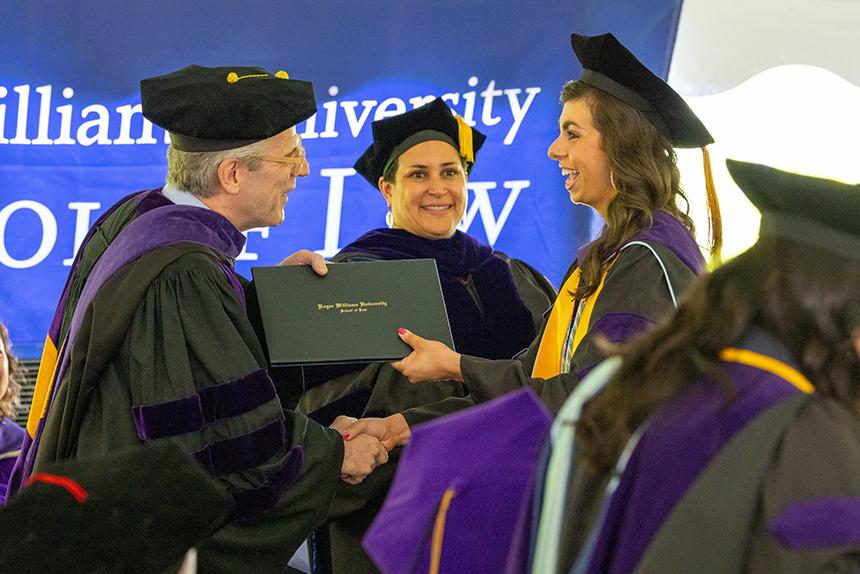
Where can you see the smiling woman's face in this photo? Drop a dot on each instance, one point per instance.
(579, 153)
(428, 196)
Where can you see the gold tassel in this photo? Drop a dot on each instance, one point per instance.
(439, 530)
(715, 220)
(464, 134)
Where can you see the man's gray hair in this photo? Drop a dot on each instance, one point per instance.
(197, 172)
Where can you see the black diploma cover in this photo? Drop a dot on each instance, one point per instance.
(352, 314)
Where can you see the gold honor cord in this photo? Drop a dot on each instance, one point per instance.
(439, 530)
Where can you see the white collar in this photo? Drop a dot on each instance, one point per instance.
(182, 197)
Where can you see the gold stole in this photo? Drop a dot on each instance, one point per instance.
(548, 360)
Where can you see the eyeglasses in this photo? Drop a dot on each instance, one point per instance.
(297, 161)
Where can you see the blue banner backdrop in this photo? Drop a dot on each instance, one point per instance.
(72, 140)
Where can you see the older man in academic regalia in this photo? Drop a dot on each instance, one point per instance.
(151, 341)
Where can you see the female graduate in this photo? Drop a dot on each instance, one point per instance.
(617, 131)
(11, 435)
(729, 438)
(420, 162)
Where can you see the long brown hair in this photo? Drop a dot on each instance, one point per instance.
(807, 298)
(9, 402)
(644, 169)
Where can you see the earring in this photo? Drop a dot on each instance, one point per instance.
(612, 180)
(389, 219)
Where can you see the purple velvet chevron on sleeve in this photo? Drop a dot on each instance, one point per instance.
(192, 413)
(621, 327)
(243, 452)
(252, 502)
(818, 523)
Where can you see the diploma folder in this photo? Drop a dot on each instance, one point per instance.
(350, 315)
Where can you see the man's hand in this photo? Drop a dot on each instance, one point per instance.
(429, 360)
(391, 431)
(305, 257)
(341, 423)
(360, 456)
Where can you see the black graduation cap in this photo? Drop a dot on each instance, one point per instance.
(213, 109)
(432, 121)
(610, 67)
(138, 510)
(810, 210)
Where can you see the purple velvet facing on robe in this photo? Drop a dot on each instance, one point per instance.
(146, 201)
(683, 437)
(192, 413)
(502, 327)
(818, 523)
(667, 231)
(620, 327)
(171, 224)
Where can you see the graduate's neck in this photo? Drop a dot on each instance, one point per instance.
(224, 204)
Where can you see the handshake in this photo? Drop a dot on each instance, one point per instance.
(367, 443)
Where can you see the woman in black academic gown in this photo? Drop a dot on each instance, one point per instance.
(729, 438)
(420, 162)
(617, 130)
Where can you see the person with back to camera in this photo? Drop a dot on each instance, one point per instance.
(11, 435)
(617, 130)
(728, 438)
(420, 162)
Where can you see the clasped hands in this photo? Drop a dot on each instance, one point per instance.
(367, 443)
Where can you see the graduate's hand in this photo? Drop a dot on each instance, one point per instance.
(391, 431)
(360, 456)
(305, 257)
(341, 423)
(429, 360)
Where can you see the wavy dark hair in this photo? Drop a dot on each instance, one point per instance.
(806, 297)
(645, 172)
(10, 401)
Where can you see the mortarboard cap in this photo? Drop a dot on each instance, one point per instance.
(610, 67)
(809, 210)
(432, 121)
(139, 510)
(214, 109)
(459, 488)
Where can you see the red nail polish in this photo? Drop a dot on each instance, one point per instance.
(345, 435)
(401, 330)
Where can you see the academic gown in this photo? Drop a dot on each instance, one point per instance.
(159, 348)
(648, 276)
(11, 438)
(495, 305)
(766, 481)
